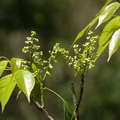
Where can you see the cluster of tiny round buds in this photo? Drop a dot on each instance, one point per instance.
(25, 49)
(50, 66)
(35, 47)
(48, 73)
(90, 33)
(33, 33)
(80, 61)
(28, 42)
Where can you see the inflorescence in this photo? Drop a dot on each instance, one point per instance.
(81, 60)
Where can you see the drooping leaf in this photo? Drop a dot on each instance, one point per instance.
(98, 16)
(68, 111)
(101, 49)
(25, 81)
(103, 15)
(107, 13)
(15, 63)
(3, 65)
(7, 85)
(107, 2)
(114, 43)
(81, 33)
(108, 30)
(106, 34)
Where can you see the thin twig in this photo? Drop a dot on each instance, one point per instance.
(73, 94)
(77, 104)
(76, 114)
(81, 92)
(42, 109)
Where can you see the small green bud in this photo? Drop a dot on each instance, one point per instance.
(50, 66)
(33, 33)
(48, 73)
(90, 32)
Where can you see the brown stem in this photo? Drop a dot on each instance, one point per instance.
(42, 109)
(77, 104)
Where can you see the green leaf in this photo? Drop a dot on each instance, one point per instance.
(101, 49)
(15, 63)
(108, 30)
(7, 85)
(108, 12)
(81, 33)
(106, 34)
(68, 111)
(108, 1)
(34, 67)
(36, 91)
(25, 81)
(3, 65)
(114, 43)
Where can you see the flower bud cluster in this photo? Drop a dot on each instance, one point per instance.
(30, 44)
(81, 60)
(36, 57)
(88, 56)
(53, 53)
(32, 49)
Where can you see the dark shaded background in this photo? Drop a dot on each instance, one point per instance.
(59, 21)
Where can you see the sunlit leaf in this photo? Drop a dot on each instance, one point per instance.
(7, 85)
(3, 65)
(114, 43)
(107, 2)
(107, 12)
(103, 15)
(81, 33)
(25, 81)
(107, 33)
(68, 111)
(15, 63)
(108, 30)
(101, 49)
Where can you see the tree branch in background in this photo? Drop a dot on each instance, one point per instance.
(42, 109)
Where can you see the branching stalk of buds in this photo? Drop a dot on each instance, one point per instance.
(81, 61)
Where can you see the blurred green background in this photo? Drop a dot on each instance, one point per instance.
(59, 21)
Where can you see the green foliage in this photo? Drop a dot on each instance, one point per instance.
(68, 111)
(108, 34)
(25, 81)
(29, 75)
(107, 12)
(81, 33)
(15, 64)
(114, 43)
(7, 85)
(3, 65)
